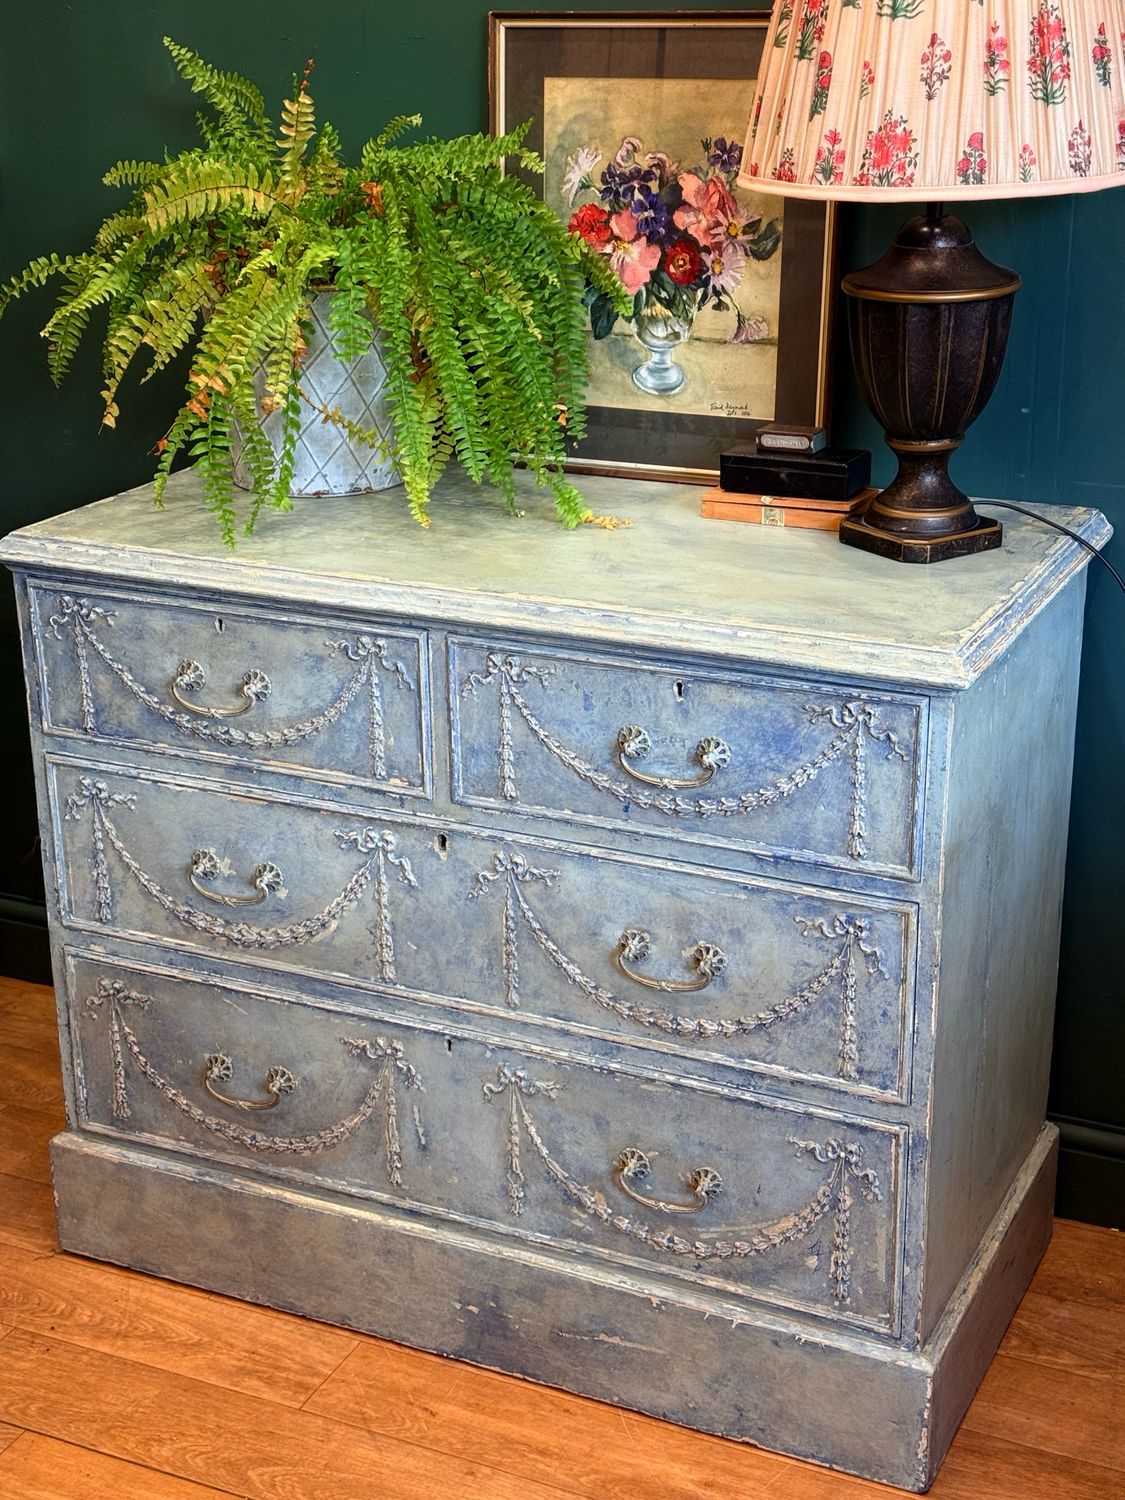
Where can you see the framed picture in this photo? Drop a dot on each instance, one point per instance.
(639, 117)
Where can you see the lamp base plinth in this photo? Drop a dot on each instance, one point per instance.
(860, 531)
(921, 516)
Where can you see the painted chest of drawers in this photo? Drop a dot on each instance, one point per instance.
(625, 959)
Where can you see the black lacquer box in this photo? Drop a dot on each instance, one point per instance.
(831, 474)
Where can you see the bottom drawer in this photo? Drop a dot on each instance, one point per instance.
(772, 1201)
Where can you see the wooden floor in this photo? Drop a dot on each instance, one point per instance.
(115, 1386)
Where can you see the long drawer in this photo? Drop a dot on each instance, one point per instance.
(742, 1194)
(767, 976)
(800, 770)
(343, 701)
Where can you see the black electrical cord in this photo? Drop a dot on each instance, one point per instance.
(1066, 531)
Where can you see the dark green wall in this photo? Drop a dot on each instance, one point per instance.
(86, 83)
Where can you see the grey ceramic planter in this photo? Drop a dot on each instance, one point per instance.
(328, 462)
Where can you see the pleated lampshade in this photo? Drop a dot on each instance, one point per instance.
(936, 99)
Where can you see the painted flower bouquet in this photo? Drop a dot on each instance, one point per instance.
(677, 238)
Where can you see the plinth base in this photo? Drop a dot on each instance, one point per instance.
(870, 1406)
(857, 531)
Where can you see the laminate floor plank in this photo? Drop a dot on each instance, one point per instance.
(1085, 1338)
(20, 996)
(29, 1075)
(232, 1344)
(1052, 1409)
(1083, 1263)
(27, 1214)
(41, 1468)
(583, 1445)
(251, 1447)
(983, 1467)
(24, 1133)
(27, 1017)
(977, 1467)
(8, 1435)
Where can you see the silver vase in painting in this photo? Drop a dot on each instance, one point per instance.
(660, 332)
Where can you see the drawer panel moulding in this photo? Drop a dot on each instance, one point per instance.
(326, 680)
(689, 753)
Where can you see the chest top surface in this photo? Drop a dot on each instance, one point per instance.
(668, 581)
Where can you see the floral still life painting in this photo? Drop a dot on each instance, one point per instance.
(699, 258)
(678, 239)
(724, 323)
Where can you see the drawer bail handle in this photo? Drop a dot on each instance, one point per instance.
(219, 1067)
(633, 743)
(206, 865)
(634, 1166)
(190, 678)
(635, 946)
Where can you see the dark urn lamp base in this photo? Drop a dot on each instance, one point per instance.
(929, 325)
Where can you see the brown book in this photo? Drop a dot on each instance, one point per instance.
(781, 510)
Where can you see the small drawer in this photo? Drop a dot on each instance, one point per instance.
(230, 682)
(799, 770)
(787, 1205)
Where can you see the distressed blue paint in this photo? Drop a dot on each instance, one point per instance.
(855, 904)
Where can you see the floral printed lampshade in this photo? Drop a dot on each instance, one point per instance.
(939, 99)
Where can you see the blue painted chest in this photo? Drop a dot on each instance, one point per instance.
(626, 959)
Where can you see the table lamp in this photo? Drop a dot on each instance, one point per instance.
(928, 100)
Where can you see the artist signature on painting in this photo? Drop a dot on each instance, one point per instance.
(730, 408)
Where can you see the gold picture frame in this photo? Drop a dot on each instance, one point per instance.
(639, 82)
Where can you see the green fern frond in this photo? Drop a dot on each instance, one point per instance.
(237, 102)
(394, 128)
(133, 173)
(126, 225)
(88, 285)
(569, 502)
(298, 126)
(165, 322)
(255, 449)
(169, 447)
(38, 273)
(204, 189)
(225, 352)
(359, 250)
(326, 172)
(212, 449)
(466, 157)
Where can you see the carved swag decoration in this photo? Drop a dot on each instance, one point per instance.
(836, 1194)
(79, 617)
(850, 935)
(115, 997)
(855, 722)
(377, 845)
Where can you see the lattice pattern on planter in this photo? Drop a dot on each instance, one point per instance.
(327, 461)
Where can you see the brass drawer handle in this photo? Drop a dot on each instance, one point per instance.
(190, 678)
(633, 743)
(206, 865)
(634, 1166)
(218, 1066)
(635, 945)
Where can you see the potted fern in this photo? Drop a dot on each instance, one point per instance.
(450, 296)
